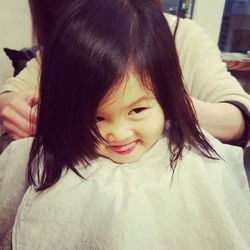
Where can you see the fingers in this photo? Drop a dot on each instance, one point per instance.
(33, 114)
(31, 97)
(16, 123)
(19, 115)
(16, 132)
(32, 101)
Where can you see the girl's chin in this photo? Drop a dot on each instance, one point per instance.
(127, 160)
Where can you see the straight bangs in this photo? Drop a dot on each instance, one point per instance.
(92, 48)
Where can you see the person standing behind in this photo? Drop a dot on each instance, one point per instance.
(115, 163)
(221, 105)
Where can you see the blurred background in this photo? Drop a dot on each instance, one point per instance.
(15, 32)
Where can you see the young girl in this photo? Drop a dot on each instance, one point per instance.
(118, 160)
(221, 105)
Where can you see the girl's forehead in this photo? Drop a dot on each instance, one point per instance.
(129, 91)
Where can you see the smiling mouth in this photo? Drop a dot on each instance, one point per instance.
(124, 149)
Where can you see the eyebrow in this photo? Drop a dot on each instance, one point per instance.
(141, 99)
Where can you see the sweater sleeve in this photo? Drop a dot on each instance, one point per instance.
(205, 75)
(27, 79)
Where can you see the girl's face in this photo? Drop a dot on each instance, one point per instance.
(130, 120)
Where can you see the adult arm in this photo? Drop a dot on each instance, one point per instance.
(215, 91)
(17, 98)
(223, 120)
(27, 79)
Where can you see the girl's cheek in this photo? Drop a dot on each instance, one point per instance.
(150, 127)
(102, 128)
(157, 117)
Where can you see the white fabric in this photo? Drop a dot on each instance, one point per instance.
(13, 185)
(135, 206)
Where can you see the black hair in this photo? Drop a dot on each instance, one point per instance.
(44, 14)
(92, 48)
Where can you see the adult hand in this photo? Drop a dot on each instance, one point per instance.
(18, 113)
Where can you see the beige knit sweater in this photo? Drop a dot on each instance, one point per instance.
(205, 75)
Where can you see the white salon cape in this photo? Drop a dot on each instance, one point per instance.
(205, 205)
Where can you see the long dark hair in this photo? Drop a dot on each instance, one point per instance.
(94, 45)
(44, 14)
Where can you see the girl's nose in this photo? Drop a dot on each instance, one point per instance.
(119, 132)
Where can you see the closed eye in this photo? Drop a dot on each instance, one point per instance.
(137, 111)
